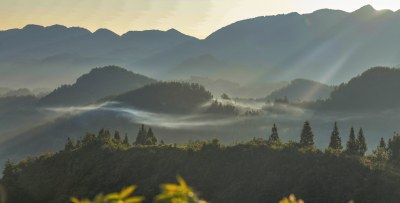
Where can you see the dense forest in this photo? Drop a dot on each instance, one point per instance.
(261, 170)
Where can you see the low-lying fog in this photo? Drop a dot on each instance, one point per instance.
(46, 129)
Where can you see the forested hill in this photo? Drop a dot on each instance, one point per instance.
(95, 85)
(258, 171)
(167, 97)
(375, 89)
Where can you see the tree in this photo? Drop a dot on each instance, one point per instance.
(307, 136)
(150, 138)
(382, 143)
(69, 145)
(351, 146)
(380, 155)
(141, 136)
(225, 97)
(394, 147)
(89, 138)
(361, 143)
(336, 142)
(145, 137)
(117, 137)
(274, 137)
(9, 168)
(104, 134)
(126, 141)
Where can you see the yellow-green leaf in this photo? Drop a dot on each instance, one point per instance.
(127, 191)
(74, 200)
(112, 196)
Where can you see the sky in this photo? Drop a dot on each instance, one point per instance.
(198, 18)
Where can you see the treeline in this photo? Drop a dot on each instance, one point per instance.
(355, 146)
(261, 170)
(145, 136)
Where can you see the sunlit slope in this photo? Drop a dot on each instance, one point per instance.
(327, 45)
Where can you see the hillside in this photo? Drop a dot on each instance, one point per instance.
(95, 85)
(167, 97)
(252, 172)
(302, 90)
(375, 89)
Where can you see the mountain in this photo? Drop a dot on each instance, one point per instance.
(375, 89)
(302, 90)
(38, 51)
(95, 85)
(326, 45)
(167, 97)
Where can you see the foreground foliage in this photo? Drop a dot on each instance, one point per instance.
(170, 193)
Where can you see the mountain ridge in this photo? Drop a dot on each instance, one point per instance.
(325, 45)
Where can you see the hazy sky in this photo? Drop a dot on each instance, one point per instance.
(195, 17)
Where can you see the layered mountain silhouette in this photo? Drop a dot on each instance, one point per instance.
(36, 51)
(326, 45)
(95, 85)
(302, 90)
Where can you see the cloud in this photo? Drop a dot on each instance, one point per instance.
(149, 118)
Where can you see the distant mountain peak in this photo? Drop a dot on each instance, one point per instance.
(366, 10)
(173, 30)
(33, 27)
(105, 33)
(57, 26)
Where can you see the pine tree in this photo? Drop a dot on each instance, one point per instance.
(104, 134)
(382, 144)
(394, 147)
(126, 141)
(361, 143)
(274, 137)
(141, 136)
(351, 146)
(306, 137)
(150, 138)
(88, 139)
(117, 137)
(9, 168)
(69, 145)
(336, 142)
